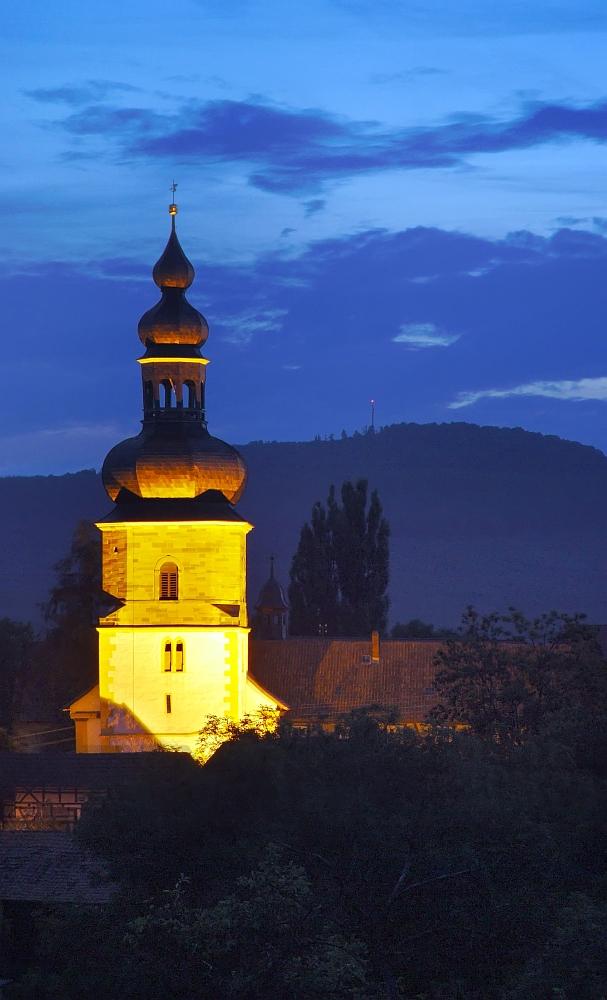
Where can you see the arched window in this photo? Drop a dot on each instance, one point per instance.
(169, 582)
(167, 659)
(179, 656)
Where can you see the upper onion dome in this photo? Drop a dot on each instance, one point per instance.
(173, 269)
(164, 464)
(173, 320)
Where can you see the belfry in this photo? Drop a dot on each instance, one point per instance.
(173, 647)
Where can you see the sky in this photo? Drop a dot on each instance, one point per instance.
(403, 200)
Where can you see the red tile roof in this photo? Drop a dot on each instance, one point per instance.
(329, 677)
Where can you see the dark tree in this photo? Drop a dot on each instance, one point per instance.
(340, 571)
(418, 629)
(69, 651)
(16, 648)
(360, 539)
(406, 865)
(505, 675)
(313, 590)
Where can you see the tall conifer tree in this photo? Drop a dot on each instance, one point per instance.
(340, 571)
(313, 591)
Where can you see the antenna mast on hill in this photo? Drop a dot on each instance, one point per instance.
(372, 415)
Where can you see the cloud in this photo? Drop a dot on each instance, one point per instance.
(240, 329)
(120, 123)
(294, 151)
(419, 336)
(535, 308)
(407, 74)
(575, 390)
(77, 94)
(313, 206)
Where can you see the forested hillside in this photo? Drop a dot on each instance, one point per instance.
(478, 515)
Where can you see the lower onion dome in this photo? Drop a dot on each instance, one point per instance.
(175, 465)
(173, 321)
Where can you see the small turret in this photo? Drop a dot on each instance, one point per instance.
(271, 610)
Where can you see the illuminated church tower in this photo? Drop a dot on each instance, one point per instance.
(174, 647)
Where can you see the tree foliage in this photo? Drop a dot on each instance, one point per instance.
(431, 867)
(505, 675)
(314, 586)
(415, 628)
(68, 653)
(340, 571)
(16, 651)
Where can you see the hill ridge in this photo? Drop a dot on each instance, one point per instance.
(479, 514)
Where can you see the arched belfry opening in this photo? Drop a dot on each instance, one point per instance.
(189, 395)
(168, 394)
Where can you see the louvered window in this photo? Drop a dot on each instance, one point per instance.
(169, 582)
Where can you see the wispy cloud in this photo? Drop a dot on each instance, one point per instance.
(241, 328)
(313, 206)
(83, 93)
(575, 390)
(420, 336)
(405, 75)
(296, 151)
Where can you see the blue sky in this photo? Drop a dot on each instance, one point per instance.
(404, 200)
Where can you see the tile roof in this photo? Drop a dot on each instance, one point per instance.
(329, 677)
(50, 868)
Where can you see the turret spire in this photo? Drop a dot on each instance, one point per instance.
(173, 321)
(174, 456)
(173, 207)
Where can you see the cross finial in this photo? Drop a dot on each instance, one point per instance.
(173, 206)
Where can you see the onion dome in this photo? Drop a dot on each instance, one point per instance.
(173, 320)
(173, 269)
(165, 463)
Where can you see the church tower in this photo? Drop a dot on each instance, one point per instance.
(173, 649)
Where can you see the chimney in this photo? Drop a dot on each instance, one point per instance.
(375, 646)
